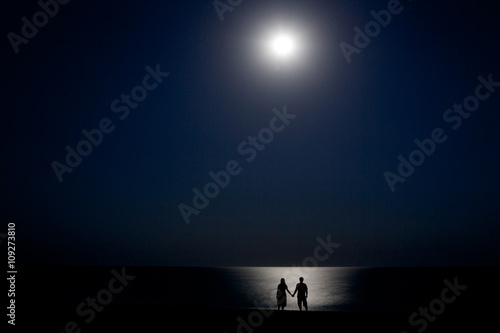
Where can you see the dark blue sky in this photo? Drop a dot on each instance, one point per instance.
(322, 175)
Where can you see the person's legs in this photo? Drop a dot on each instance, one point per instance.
(305, 303)
(299, 301)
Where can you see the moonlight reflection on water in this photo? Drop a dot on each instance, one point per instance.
(329, 287)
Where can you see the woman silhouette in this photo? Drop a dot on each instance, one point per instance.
(281, 295)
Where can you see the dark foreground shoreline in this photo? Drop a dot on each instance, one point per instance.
(207, 319)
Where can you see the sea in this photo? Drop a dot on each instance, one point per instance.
(337, 289)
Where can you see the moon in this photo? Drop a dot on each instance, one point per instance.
(283, 45)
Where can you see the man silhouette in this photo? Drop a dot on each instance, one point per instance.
(301, 288)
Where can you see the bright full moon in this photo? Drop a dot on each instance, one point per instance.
(283, 45)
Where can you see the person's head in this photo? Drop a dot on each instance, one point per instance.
(301, 279)
(282, 280)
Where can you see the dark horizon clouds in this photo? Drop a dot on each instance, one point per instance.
(324, 174)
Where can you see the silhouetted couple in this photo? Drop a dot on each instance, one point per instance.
(301, 289)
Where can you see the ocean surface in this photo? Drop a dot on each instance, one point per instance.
(342, 289)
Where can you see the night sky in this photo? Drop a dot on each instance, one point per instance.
(212, 84)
